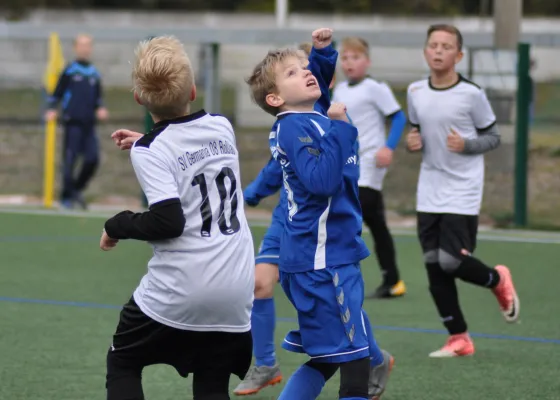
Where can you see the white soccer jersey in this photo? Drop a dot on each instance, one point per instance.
(204, 279)
(369, 103)
(449, 182)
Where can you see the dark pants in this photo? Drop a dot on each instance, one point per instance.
(373, 214)
(79, 140)
(139, 341)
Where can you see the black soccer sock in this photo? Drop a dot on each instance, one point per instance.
(354, 379)
(211, 385)
(474, 271)
(446, 298)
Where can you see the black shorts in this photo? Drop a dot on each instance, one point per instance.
(140, 341)
(449, 232)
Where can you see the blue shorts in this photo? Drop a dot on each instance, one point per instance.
(269, 250)
(329, 309)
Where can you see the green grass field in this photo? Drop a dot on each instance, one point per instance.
(60, 297)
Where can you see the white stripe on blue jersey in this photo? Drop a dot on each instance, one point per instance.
(320, 164)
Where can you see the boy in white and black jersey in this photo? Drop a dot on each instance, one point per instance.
(454, 125)
(370, 104)
(192, 308)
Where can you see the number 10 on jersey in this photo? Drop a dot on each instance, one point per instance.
(206, 207)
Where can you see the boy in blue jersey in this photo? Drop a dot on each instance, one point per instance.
(80, 92)
(266, 372)
(321, 244)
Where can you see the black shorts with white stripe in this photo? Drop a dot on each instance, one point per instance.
(139, 341)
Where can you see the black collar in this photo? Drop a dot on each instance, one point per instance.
(460, 79)
(159, 126)
(148, 139)
(83, 63)
(355, 83)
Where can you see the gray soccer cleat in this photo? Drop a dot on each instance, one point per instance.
(379, 375)
(258, 378)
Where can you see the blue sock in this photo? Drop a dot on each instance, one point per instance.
(263, 322)
(375, 355)
(306, 383)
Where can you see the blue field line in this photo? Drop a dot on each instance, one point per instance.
(444, 332)
(288, 320)
(398, 236)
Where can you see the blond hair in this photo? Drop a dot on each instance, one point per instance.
(163, 77)
(306, 48)
(262, 81)
(355, 44)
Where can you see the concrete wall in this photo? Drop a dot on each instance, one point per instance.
(22, 61)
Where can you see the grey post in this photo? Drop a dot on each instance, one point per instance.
(212, 100)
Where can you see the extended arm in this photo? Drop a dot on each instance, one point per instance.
(165, 218)
(322, 64)
(267, 182)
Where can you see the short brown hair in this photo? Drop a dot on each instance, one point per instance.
(449, 29)
(356, 44)
(163, 77)
(306, 48)
(262, 81)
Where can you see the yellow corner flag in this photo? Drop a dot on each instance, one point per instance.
(54, 68)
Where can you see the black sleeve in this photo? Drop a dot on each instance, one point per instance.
(164, 220)
(61, 87)
(99, 94)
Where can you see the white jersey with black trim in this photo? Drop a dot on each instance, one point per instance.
(449, 182)
(369, 103)
(202, 280)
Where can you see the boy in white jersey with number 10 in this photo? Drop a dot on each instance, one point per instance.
(370, 103)
(192, 308)
(454, 125)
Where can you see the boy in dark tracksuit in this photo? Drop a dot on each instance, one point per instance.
(80, 94)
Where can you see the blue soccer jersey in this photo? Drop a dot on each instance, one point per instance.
(322, 63)
(323, 218)
(268, 181)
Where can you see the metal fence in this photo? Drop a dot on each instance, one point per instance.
(397, 60)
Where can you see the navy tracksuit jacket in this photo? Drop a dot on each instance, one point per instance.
(80, 94)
